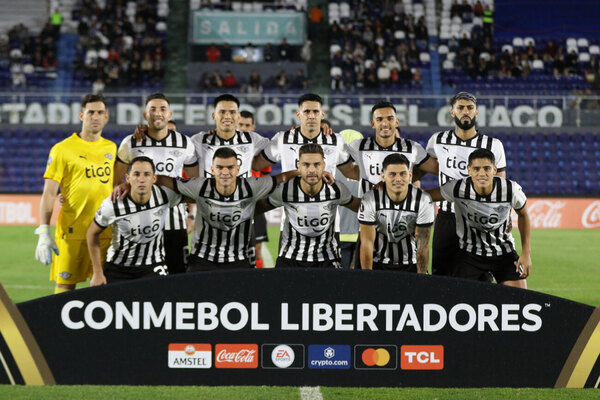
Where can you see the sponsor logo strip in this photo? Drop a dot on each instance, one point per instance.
(190, 355)
(282, 356)
(329, 356)
(376, 356)
(422, 357)
(229, 355)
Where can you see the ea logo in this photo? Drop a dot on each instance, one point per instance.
(282, 356)
(379, 357)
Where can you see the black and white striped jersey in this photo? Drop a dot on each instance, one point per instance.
(369, 156)
(170, 155)
(224, 224)
(481, 220)
(245, 144)
(137, 228)
(308, 230)
(395, 223)
(284, 147)
(453, 153)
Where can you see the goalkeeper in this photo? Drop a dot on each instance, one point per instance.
(82, 166)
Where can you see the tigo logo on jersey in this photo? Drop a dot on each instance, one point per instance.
(378, 356)
(190, 355)
(282, 356)
(236, 356)
(328, 356)
(422, 357)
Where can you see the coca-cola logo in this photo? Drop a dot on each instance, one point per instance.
(546, 214)
(591, 215)
(236, 356)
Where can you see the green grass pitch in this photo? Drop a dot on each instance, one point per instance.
(566, 263)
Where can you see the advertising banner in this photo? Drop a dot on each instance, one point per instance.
(304, 327)
(241, 28)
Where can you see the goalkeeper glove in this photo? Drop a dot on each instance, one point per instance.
(46, 245)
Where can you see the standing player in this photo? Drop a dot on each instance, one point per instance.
(137, 248)
(452, 148)
(310, 206)
(483, 204)
(171, 153)
(246, 124)
(285, 145)
(370, 152)
(82, 166)
(245, 143)
(225, 205)
(396, 221)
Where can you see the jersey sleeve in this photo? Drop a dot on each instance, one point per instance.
(276, 198)
(366, 211)
(56, 165)
(343, 153)
(447, 190)
(174, 197)
(498, 150)
(519, 199)
(353, 150)
(260, 142)
(426, 211)
(271, 151)
(105, 215)
(189, 187)
(345, 195)
(420, 154)
(124, 152)
(431, 146)
(262, 186)
(191, 158)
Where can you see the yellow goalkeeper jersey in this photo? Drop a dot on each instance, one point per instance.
(85, 172)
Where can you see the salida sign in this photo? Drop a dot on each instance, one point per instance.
(284, 327)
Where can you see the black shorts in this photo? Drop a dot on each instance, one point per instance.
(502, 268)
(395, 267)
(176, 250)
(445, 244)
(118, 273)
(260, 228)
(196, 264)
(288, 263)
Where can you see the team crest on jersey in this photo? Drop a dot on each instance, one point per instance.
(159, 212)
(176, 153)
(109, 156)
(243, 149)
(65, 275)
(502, 209)
(49, 161)
(328, 150)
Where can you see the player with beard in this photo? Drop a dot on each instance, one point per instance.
(452, 149)
(395, 221)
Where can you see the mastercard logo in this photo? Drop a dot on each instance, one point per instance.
(375, 357)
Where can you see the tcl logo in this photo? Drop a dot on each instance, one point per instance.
(236, 356)
(422, 357)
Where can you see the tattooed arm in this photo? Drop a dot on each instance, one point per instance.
(422, 234)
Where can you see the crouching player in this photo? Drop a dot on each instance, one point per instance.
(137, 248)
(483, 204)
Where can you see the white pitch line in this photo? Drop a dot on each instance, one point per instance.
(310, 393)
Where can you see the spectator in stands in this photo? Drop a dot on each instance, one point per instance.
(98, 86)
(337, 85)
(285, 52)
(226, 53)
(205, 81)
(269, 53)
(315, 19)
(250, 52)
(281, 81)
(254, 78)
(349, 82)
(306, 52)
(56, 22)
(478, 9)
(229, 80)
(550, 51)
(216, 80)
(300, 81)
(213, 53)
(571, 62)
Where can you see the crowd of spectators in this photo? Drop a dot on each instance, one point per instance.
(249, 53)
(378, 47)
(24, 54)
(118, 48)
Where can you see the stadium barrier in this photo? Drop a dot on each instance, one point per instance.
(562, 213)
(301, 327)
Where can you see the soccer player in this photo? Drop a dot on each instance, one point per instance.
(285, 145)
(246, 143)
(225, 205)
(310, 207)
(137, 249)
(452, 148)
(370, 152)
(171, 153)
(396, 221)
(82, 166)
(482, 204)
(246, 124)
